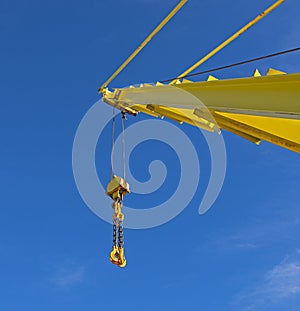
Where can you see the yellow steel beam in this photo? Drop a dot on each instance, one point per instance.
(256, 108)
(143, 44)
(273, 96)
(233, 125)
(230, 39)
(244, 135)
(180, 117)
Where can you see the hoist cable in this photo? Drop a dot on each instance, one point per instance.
(112, 144)
(236, 64)
(230, 39)
(123, 145)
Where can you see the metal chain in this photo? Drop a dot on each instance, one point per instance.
(120, 233)
(114, 232)
(118, 237)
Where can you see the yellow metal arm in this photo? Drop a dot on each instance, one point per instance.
(230, 39)
(256, 108)
(153, 33)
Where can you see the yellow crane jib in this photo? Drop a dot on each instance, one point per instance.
(116, 189)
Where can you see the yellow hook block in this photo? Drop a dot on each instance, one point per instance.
(117, 188)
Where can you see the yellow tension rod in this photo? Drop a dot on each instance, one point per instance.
(153, 33)
(230, 39)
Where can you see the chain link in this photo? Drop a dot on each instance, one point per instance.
(118, 238)
(120, 234)
(114, 233)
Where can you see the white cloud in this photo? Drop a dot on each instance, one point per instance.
(283, 281)
(68, 275)
(278, 285)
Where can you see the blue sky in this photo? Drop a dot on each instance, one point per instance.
(244, 254)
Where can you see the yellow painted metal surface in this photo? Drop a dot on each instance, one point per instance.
(231, 38)
(288, 129)
(256, 108)
(279, 131)
(117, 188)
(143, 44)
(256, 73)
(276, 95)
(273, 72)
(211, 78)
